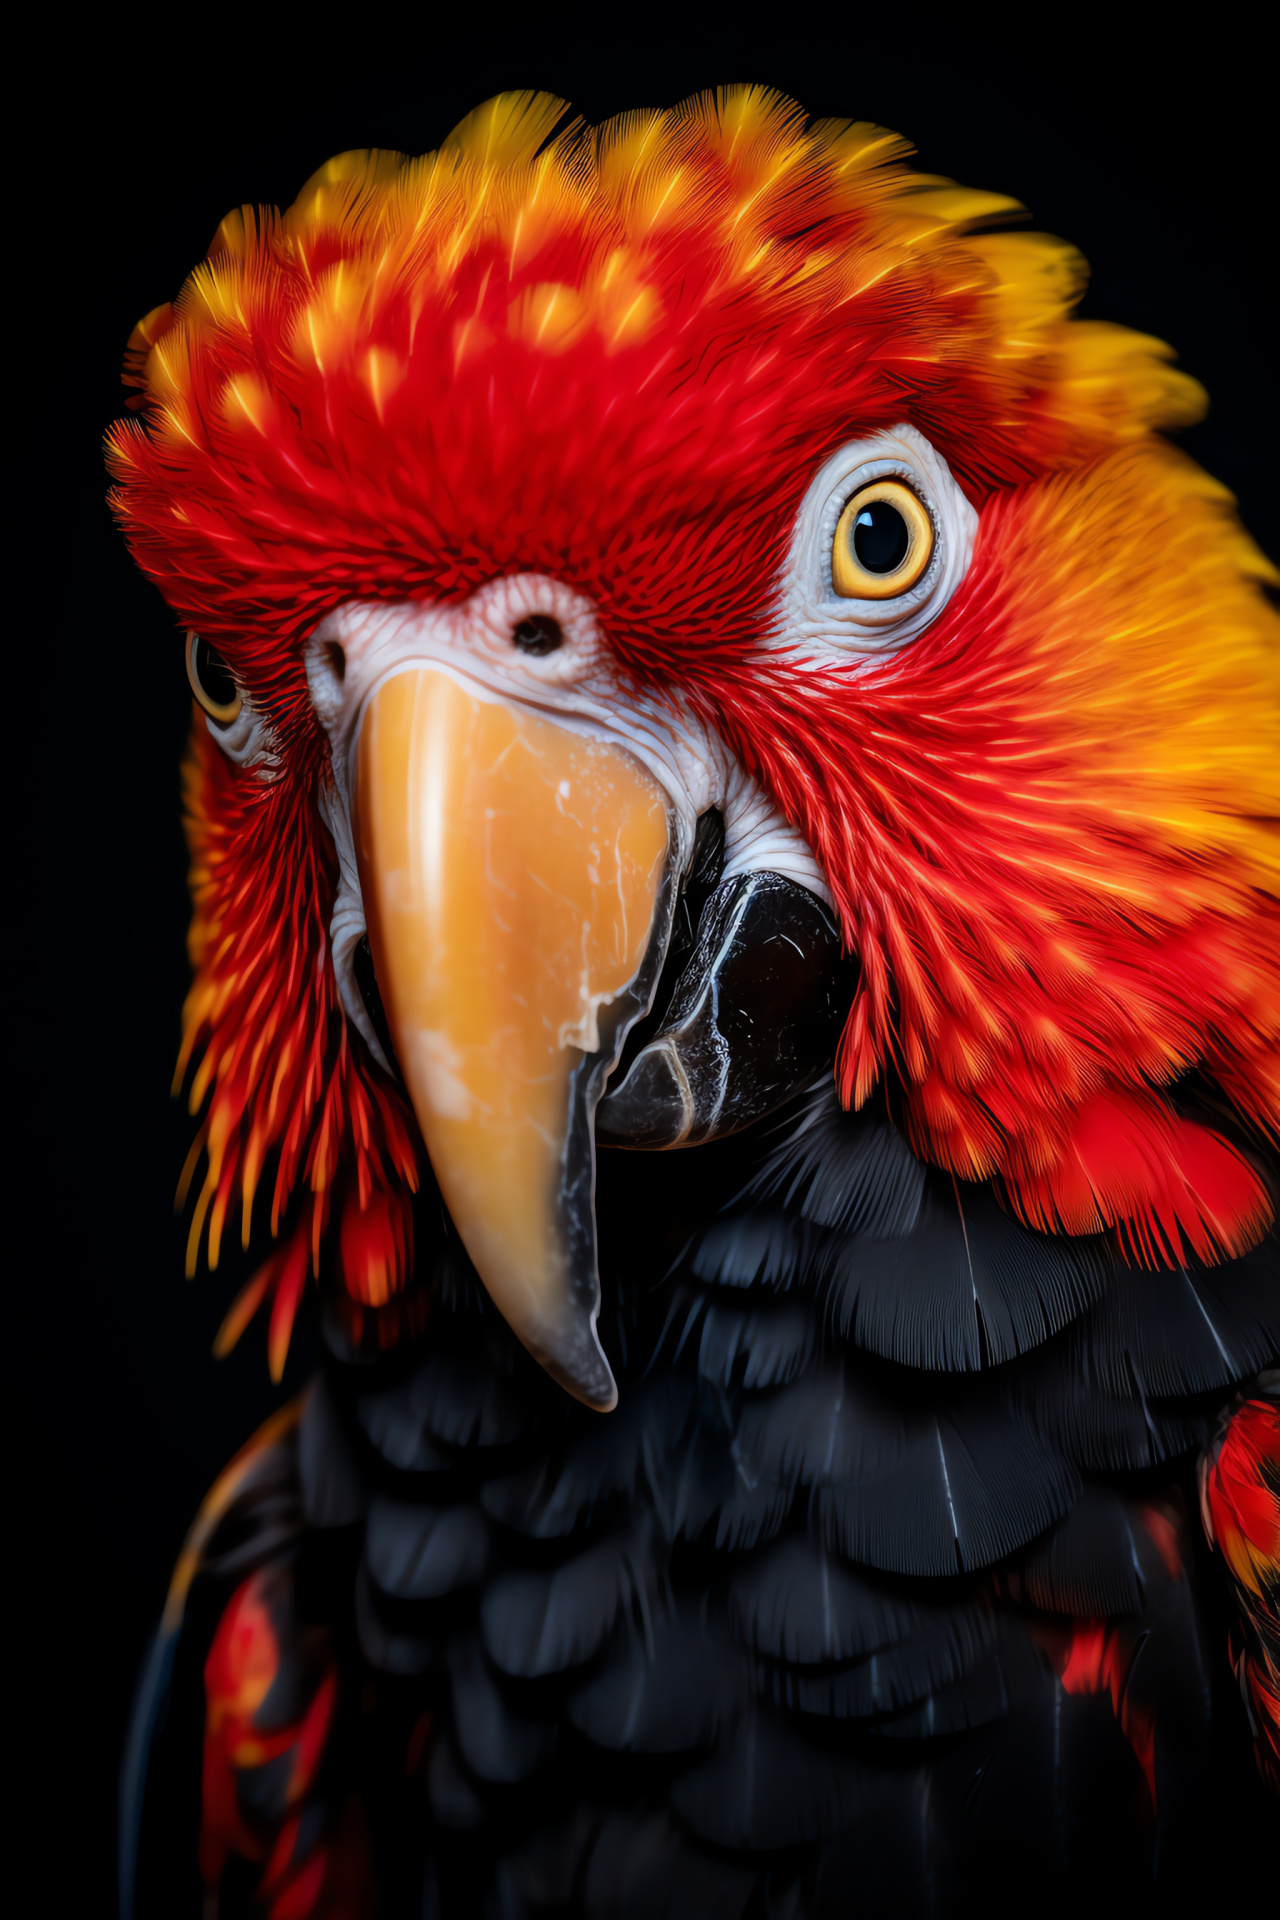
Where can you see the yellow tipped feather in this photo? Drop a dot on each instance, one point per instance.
(506, 131)
(730, 162)
(241, 1312)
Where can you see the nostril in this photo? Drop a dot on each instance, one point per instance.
(337, 659)
(539, 633)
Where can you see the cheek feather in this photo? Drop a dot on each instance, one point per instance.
(1050, 826)
(285, 1097)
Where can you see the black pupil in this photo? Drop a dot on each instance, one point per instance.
(538, 634)
(881, 537)
(211, 672)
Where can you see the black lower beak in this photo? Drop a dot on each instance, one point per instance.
(750, 1015)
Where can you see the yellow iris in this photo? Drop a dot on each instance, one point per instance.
(883, 543)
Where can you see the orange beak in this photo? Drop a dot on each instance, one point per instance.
(517, 881)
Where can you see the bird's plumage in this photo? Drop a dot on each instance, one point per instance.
(860, 1571)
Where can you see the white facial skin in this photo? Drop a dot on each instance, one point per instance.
(815, 620)
(362, 644)
(248, 740)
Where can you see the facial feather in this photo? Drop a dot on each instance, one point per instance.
(617, 357)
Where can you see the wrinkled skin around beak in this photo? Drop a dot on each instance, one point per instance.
(518, 882)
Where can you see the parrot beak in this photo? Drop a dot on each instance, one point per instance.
(518, 885)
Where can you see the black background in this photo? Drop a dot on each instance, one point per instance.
(1142, 143)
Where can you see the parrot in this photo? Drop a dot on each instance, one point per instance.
(732, 804)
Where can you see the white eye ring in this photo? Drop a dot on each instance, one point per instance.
(827, 623)
(236, 725)
(221, 712)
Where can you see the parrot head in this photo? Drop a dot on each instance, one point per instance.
(678, 611)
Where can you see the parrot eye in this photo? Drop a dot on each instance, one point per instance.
(883, 542)
(883, 538)
(211, 681)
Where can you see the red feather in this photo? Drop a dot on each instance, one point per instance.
(619, 359)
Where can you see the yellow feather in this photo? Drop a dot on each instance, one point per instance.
(854, 147)
(740, 122)
(241, 1312)
(247, 401)
(550, 316)
(1113, 381)
(1031, 282)
(506, 131)
(149, 328)
(742, 166)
